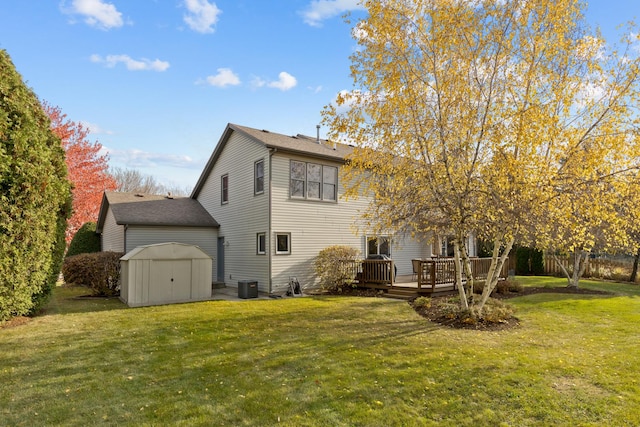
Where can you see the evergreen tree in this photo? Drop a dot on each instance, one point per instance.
(34, 197)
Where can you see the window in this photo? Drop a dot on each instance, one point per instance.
(329, 183)
(258, 187)
(313, 181)
(378, 245)
(224, 191)
(298, 172)
(283, 243)
(261, 244)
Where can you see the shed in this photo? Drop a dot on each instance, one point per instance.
(165, 273)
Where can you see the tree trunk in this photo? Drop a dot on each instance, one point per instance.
(580, 262)
(464, 303)
(634, 270)
(497, 261)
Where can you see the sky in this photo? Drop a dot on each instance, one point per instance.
(157, 81)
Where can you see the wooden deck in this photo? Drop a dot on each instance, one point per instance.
(430, 277)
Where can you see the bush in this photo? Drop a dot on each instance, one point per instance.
(100, 271)
(34, 191)
(334, 266)
(422, 302)
(502, 287)
(85, 241)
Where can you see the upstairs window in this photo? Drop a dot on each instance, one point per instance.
(258, 182)
(224, 189)
(313, 181)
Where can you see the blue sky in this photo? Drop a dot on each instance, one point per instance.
(156, 81)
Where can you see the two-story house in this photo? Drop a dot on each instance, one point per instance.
(278, 202)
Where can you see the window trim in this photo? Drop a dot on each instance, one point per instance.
(224, 191)
(288, 236)
(264, 243)
(255, 177)
(305, 182)
(377, 238)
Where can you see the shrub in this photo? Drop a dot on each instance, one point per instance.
(496, 311)
(100, 271)
(34, 191)
(85, 240)
(334, 266)
(506, 286)
(502, 287)
(422, 302)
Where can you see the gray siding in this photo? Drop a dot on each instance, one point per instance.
(203, 237)
(314, 225)
(245, 215)
(112, 238)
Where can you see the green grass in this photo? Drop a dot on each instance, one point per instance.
(323, 361)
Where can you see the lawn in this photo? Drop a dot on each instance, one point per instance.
(319, 361)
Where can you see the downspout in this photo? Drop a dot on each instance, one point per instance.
(124, 238)
(272, 151)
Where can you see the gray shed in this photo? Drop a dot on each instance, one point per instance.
(165, 273)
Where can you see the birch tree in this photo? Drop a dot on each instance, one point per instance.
(470, 116)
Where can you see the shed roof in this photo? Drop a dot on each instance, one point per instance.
(151, 209)
(297, 144)
(170, 250)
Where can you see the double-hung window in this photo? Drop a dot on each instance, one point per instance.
(313, 181)
(258, 180)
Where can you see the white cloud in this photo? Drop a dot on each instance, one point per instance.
(319, 10)
(316, 89)
(131, 64)
(201, 16)
(95, 129)
(225, 77)
(96, 13)
(285, 82)
(135, 158)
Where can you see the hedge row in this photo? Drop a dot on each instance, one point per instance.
(99, 271)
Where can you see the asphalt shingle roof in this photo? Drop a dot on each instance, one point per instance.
(149, 209)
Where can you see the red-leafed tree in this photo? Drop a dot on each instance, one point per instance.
(88, 169)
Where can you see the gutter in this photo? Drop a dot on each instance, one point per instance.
(272, 151)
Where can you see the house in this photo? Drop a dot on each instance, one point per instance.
(277, 201)
(127, 221)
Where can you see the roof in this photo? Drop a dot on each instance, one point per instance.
(151, 209)
(296, 144)
(169, 250)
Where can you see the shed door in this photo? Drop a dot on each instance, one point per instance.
(170, 281)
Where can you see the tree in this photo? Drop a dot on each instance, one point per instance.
(474, 117)
(34, 197)
(133, 181)
(88, 168)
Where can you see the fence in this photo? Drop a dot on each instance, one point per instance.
(601, 268)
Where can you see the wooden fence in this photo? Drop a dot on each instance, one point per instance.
(602, 268)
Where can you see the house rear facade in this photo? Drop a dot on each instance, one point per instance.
(278, 200)
(263, 208)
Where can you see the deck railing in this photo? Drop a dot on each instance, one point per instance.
(433, 272)
(430, 272)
